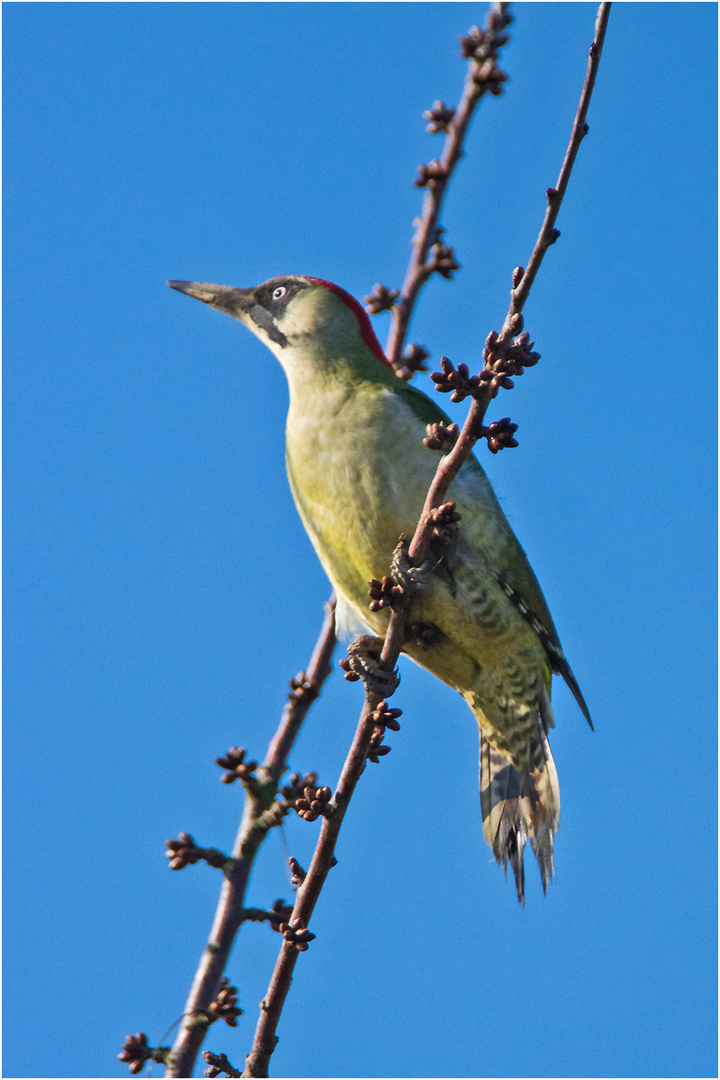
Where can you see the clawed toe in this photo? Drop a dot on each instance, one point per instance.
(411, 577)
(364, 661)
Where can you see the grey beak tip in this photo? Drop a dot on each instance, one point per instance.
(199, 290)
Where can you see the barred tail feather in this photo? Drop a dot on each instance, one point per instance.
(519, 805)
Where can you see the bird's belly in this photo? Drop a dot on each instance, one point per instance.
(357, 495)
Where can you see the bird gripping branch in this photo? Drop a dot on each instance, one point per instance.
(359, 472)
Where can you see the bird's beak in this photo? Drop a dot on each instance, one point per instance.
(224, 297)
(240, 304)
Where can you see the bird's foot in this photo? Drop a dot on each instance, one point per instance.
(408, 577)
(363, 662)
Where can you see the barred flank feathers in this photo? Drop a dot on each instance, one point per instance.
(519, 805)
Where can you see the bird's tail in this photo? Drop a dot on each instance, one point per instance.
(519, 805)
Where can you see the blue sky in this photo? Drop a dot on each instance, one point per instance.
(160, 590)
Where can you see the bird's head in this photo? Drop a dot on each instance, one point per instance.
(295, 315)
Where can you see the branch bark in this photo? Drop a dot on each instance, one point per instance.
(265, 1041)
(547, 234)
(229, 915)
(427, 231)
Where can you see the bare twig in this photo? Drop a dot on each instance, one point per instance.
(483, 390)
(522, 282)
(253, 829)
(556, 195)
(483, 76)
(136, 1052)
(308, 893)
(218, 1064)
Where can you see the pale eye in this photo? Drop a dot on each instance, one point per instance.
(279, 292)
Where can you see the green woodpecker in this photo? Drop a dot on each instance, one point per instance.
(359, 473)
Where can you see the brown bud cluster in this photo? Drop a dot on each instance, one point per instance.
(412, 360)
(456, 382)
(298, 874)
(482, 47)
(314, 803)
(497, 21)
(385, 593)
(439, 117)
(136, 1051)
(293, 790)
(225, 1006)
(484, 44)
(472, 42)
(377, 748)
(297, 933)
(443, 261)
(380, 299)
(441, 436)
(497, 381)
(501, 363)
(279, 913)
(218, 1064)
(350, 674)
(301, 689)
(414, 357)
(520, 355)
(384, 716)
(445, 519)
(429, 175)
(500, 435)
(234, 761)
(185, 852)
(490, 77)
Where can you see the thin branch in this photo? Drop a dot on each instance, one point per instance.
(483, 77)
(219, 1064)
(523, 280)
(556, 195)
(307, 896)
(309, 690)
(497, 349)
(230, 913)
